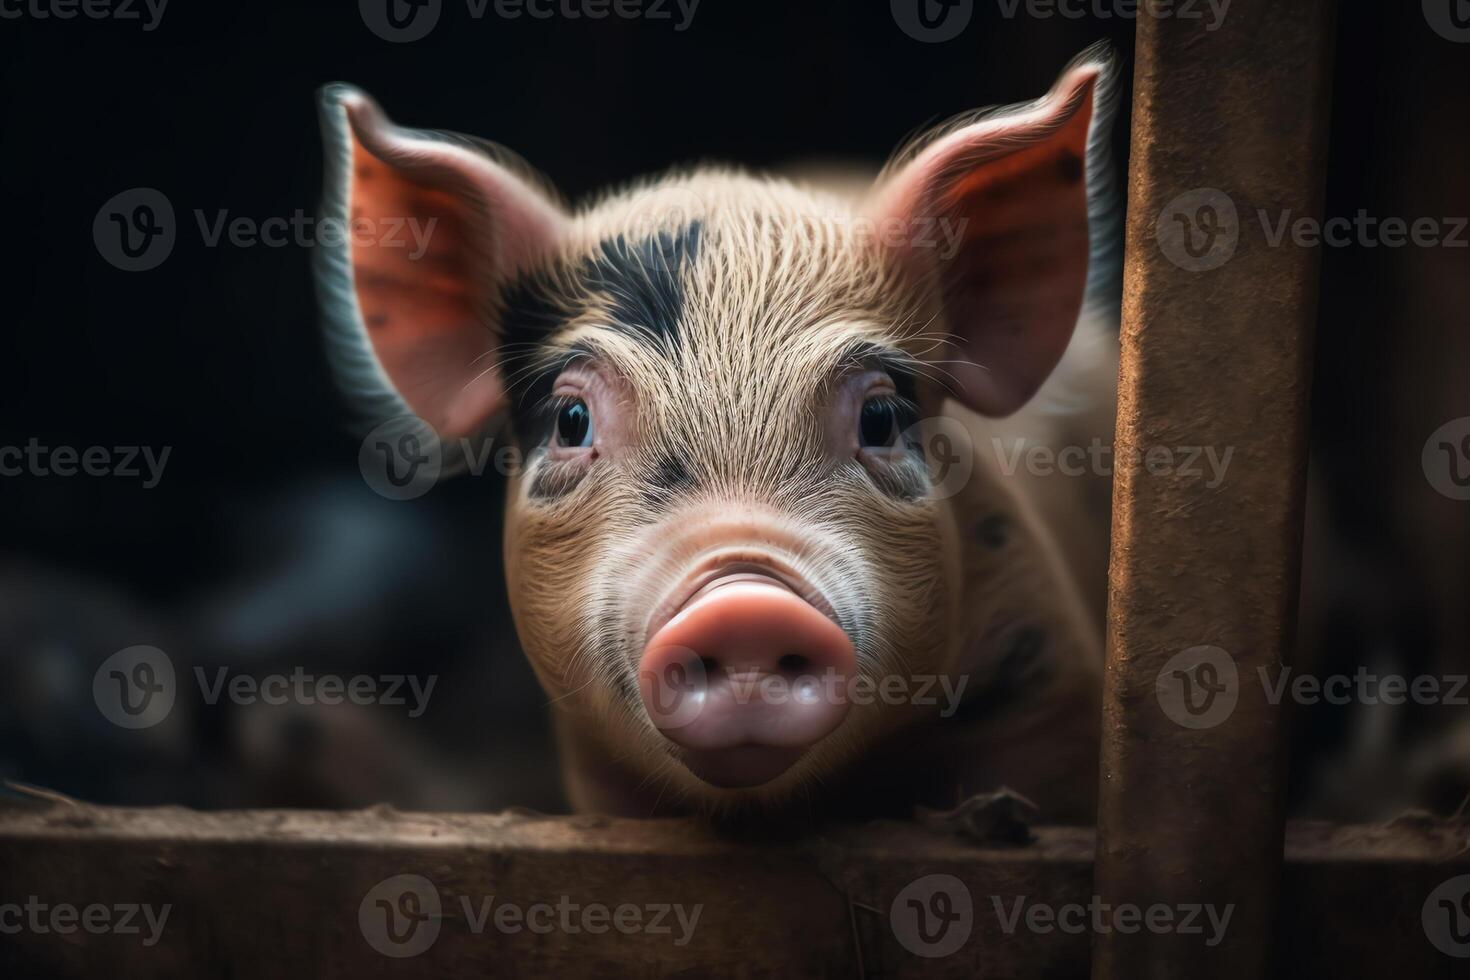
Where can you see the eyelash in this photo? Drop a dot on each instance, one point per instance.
(906, 412)
(900, 404)
(552, 405)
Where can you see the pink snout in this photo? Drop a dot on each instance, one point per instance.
(744, 678)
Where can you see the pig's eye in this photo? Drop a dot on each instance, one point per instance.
(878, 424)
(574, 425)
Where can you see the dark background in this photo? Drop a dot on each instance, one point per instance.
(263, 548)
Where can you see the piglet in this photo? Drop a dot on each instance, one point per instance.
(760, 553)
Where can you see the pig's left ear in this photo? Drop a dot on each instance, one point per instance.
(1010, 193)
(436, 225)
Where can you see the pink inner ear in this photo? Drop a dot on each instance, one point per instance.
(1015, 189)
(424, 315)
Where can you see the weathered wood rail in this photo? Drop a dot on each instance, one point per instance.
(301, 894)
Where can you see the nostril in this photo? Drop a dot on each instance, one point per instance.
(793, 663)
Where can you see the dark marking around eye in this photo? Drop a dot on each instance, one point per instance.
(903, 481)
(554, 479)
(669, 476)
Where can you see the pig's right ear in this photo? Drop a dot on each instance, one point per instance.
(436, 225)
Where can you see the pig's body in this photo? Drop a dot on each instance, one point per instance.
(732, 561)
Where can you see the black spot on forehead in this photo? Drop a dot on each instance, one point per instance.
(641, 281)
(644, 280)
(638, 281)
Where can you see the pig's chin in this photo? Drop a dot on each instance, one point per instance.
(740, 766)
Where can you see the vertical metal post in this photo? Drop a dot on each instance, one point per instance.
(1229, 140)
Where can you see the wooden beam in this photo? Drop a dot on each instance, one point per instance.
(1229, 138)
(296, 894)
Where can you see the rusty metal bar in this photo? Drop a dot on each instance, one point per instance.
(1229, 137)
(306, 894)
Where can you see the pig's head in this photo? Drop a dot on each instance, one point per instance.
(724, 518)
